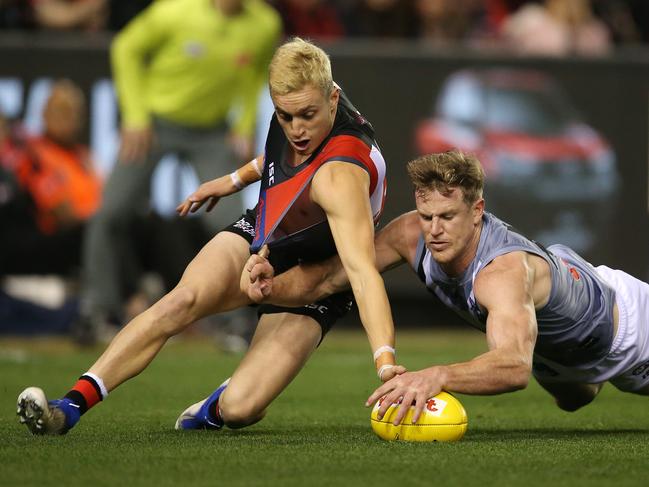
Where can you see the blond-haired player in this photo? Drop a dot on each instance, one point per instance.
(322, 190)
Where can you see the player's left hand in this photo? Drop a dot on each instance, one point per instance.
(257, 276)
(409, 388)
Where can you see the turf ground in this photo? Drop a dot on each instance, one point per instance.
(317, 432)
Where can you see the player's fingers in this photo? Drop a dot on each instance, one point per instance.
(390, 399)
(182, 208)
(262, 270)
(264, 252)
(265, 288)
(252, 265)
(420, 403)
(399, 369)
(403, 408)
(377, 394)
(213, 201)
(196, 205)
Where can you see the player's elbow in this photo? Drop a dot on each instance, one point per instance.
(519, 376)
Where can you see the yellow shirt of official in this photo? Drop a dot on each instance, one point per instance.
(185, 61)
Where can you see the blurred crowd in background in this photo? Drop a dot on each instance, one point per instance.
(49, 190)
(585, 26)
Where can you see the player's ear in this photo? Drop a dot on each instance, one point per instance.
(333, 99)
(478, 210)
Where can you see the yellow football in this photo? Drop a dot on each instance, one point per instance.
(443, 419)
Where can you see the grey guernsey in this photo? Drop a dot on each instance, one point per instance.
(575, 327)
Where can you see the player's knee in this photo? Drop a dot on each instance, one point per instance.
(574, 402)
(175, 311)
(240, 412)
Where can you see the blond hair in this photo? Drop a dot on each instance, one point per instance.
(446, 171)
(298, 63)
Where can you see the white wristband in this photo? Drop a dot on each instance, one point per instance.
(255, 164)
(383, 369)
(236, 180)
(384, 348)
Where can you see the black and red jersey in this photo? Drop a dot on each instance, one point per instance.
(287, 220)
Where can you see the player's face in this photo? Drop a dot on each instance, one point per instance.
(306, 116)
(450, 226)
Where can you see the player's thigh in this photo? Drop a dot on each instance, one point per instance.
(571, 396)
(282, 344)
(213, 275)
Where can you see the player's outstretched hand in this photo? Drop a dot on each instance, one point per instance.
(257, 276)
(210, 192)
(408, 389)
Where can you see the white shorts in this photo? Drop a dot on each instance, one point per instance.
(627, 364)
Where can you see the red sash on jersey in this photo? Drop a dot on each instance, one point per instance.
(276, 199)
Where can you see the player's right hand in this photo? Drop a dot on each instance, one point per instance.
(257, 277)
(135, 145)
(210, 192)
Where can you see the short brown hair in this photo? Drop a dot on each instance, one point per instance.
(447, 170)
(298, 63)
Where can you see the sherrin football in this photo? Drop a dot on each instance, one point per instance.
(443, 419)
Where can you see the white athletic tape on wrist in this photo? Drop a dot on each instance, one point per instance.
(255, 164)
(236, 180)
(383, 349)
(100, 383)
(383, 369)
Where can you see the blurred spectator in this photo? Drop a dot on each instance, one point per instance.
(382, 18)
(497, 11)
(54, 170)
(310, 18)
(180, 67)
(86, 15)
(557, 28)
(444, 22)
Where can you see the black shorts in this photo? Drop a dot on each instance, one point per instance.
(326, 311)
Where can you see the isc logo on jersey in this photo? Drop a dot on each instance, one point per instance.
(443, 419)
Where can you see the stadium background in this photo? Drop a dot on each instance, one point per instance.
(395, 85)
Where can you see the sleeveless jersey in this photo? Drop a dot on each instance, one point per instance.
(287, 220)
(575, 327)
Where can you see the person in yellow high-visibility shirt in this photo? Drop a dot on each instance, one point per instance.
(180, 67)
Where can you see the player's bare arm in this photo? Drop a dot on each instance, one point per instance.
(505, 289)
(211, 191)
(341, 190)
(307, 283)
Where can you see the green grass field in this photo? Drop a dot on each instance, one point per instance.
(317, 432)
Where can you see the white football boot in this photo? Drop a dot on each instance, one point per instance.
(40, 417)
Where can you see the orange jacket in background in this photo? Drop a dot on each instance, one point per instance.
(62, 182)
